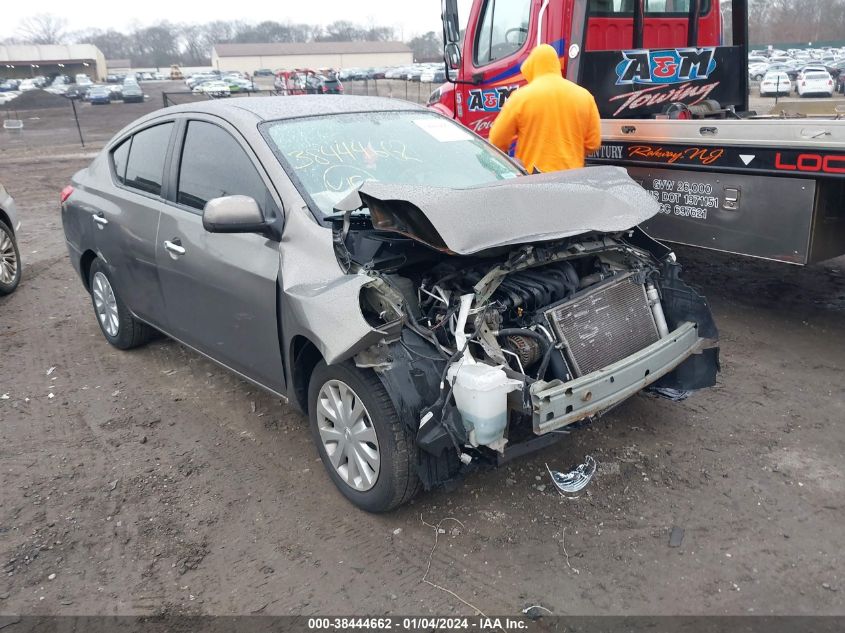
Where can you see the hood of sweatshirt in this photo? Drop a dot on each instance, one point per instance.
(543, 60)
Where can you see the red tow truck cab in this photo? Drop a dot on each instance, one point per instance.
(639, 58)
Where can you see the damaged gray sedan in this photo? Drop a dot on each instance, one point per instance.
(431, 307)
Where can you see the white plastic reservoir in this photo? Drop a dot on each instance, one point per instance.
(481, 394)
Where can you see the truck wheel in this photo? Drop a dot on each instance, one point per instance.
(117, 324)
(368, 452)
(10, 261)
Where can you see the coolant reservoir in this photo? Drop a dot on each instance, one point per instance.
(481, 395)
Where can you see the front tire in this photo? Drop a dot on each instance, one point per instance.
(366, 449)
(10, 261)
(116, 322)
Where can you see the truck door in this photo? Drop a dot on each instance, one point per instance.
(499, 36)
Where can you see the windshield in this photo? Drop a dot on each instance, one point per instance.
(329, 156)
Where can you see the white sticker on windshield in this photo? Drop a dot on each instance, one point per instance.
(443, 131)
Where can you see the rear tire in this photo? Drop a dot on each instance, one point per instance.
(349, 455)
(10, 261)
(116, 322)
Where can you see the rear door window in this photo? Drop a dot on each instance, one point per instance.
(145, 167)
(119, 157)
(215, 165)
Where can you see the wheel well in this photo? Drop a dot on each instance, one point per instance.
(305, 356)
(88, 258)
(5, 220)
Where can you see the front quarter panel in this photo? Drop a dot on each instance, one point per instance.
(319, 300)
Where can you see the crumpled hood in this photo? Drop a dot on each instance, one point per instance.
(542, 207)
(543, 60)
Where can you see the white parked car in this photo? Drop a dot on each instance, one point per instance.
(27, 84)
(83, 81)
(193, 80)
(774, 84)
(815, 82)
(213, 88)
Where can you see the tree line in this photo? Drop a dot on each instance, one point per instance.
(168, 43)
(796, 21)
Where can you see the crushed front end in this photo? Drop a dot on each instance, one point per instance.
(500, 350)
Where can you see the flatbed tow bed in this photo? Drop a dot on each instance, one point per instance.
(750, 186)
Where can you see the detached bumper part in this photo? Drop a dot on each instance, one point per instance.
(558, 404)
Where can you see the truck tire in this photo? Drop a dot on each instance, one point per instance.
(368, 452)
(10, 261)
(116, 322)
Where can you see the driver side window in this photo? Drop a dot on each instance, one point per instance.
(502, 31)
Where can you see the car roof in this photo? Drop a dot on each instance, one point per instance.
(286, 107)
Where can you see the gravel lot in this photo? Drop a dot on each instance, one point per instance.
(153, 482)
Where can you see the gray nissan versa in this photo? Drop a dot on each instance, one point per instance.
(431, 307)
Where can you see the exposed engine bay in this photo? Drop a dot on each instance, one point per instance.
(492, 354)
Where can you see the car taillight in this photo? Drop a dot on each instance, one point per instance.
(65, 194)
(803, 83)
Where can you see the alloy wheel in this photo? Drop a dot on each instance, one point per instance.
(8, 259)
(348, 435)
(105, 304)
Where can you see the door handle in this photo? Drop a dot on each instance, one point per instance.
(100, 219)
(175, 246)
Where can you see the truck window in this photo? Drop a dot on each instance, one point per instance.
(620, 8)
(503, 29)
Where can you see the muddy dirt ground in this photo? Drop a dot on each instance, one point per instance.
(154, 482)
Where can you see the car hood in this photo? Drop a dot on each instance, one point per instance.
(536, 208)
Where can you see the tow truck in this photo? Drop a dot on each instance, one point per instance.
(674, 105)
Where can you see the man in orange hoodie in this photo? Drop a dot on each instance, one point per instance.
(556, 122)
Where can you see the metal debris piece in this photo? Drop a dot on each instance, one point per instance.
(675, 395)
(575, 480)
(676, 536)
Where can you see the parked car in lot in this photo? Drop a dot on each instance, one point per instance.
(132, 92)
(215, 88)
(27, 84)
(10, 257)
(815, 82)
(774, 84)
(75, 91)
(99, 95)
(320, 84)
(388, 272)
(263, 72)
(83, 81)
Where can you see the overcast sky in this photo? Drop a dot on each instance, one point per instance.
(409, 17)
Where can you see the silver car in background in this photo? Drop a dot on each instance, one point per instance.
(432, 308)
(10, 257)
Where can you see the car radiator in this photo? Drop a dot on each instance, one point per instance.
(605, 325)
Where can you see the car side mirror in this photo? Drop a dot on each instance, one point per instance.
(233, 214)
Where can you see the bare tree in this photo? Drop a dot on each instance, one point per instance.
(43, 28)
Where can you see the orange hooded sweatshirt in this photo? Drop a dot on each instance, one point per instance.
(555, 122)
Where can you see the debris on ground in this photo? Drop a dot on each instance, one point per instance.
(676, 536)
(575, 480)
(536, 611)
(675, 395)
